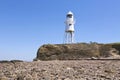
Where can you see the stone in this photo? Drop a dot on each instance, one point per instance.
(77, 51)
(3, 78)
(62, 70)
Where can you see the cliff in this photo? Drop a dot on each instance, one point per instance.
(78, 51)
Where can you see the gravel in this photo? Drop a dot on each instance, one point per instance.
(61, 70)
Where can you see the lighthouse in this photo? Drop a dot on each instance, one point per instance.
(69, 28)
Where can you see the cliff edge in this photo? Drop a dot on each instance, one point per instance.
(78, 51)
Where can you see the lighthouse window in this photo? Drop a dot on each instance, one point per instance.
(69, 15)
(70, 24)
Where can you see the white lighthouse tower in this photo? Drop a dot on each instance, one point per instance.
(69, 29)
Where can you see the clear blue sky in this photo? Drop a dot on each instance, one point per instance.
(25, 25)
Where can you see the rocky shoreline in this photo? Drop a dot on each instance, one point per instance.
(82, 61)
(61, 70)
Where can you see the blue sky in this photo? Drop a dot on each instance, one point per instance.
(25, 25)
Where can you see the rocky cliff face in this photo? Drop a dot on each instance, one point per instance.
(77, 51)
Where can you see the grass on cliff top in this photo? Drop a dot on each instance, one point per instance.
(118, 43)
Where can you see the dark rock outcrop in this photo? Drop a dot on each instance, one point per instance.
(77, 51)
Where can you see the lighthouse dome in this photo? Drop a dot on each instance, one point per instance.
(70, 12)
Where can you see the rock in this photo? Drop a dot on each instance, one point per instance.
(3, 78)
(94, 58)
(4, 61)
(20, 78)
(76, 51)
(13, 61)
(67, 79)
(28, 77)
(62, 70)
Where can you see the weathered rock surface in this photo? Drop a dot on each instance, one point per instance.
(61, 70)
(78, 51)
